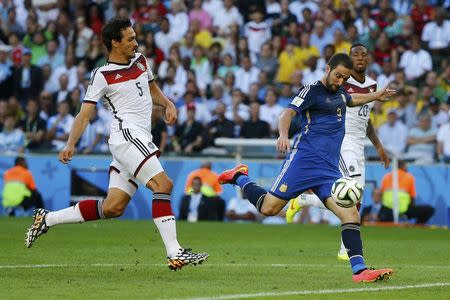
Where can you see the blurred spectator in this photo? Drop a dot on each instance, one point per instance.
(406, 196)
(10, 25)
(224, 17)
(218, 96)
(178, 19)
(198, 13)
(59, 125)
(94, 55)
(12, 138)
(255, 127)
(443, 143)
(69, 69)
(93, 139)
(386, 76)
(380, 12)
(188, 136)
(19, 188)
(340, 43)
(212, 7)
(431, 79)
(196, 206)
(241, 210)
(47, 105)
(421, 13)
(298, 6)
(15, 109)
(6, 72)
(286, 95)
(165, 38)
(238, 112)
(371, 213)
(321, 37)
(436, 36)
(394, 25)
(364, 23)
(63, 92)
(33, 126)
(154, 54)
(393, 134)
(422, 141)
(52, 56)
(384, 52)
(95, 18)
(289, 62)
(226, 66)
(159, 128)
(438, 116)
(200, 65)
(312, 72)
(271, 110)
(306, 50)
(257, 32)
(210, 186)
(246, 75)
(170, 87)
(3, 112)
(200, 110)
(416, 62)
(282, 19)
(174, 60)
(27, 79)
(332, 24)
(220, 127)
(267, 62)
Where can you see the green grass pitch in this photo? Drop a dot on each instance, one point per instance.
(126, 259)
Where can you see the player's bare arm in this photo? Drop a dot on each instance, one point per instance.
(160, 99)
(382, 95)
(373, 137)
(78, 127)
(284, 122)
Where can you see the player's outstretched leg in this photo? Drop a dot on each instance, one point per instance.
(38, 227)
(86, 210)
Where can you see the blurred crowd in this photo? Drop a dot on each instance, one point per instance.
(229, 66)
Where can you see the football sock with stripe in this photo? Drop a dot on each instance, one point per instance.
(86, 210)
(253, 192)
(165, 221)
(351, 236)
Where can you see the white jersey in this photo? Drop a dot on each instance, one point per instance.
(357, 118)
(125, 92)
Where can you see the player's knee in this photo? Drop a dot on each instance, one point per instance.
(161, 184)
(113, 211)
(268, 211)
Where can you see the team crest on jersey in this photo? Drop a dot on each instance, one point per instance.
(283, 188)
(352, 169)
(140, 66)
(297, 101)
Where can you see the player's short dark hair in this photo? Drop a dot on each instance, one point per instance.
(357, 45)
(112, 30)
(340, 59)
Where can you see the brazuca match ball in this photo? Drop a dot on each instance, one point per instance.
(347, 192)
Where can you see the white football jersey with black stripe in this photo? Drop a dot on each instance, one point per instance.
(124, 90)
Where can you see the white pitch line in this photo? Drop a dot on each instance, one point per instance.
(321, 292)
(41, 266)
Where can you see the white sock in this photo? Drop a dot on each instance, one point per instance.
(168, 231)
(310, 200)
(64, 216)
(343, 249)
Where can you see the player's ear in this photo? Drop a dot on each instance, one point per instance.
(327, 69)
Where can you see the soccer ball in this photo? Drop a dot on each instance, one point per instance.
(347, 192)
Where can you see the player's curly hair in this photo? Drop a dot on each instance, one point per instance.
(340, 59)
(112, 30)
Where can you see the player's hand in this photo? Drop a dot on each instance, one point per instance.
(385, 93)
(171, 113)
(384, 157)
(65, 155)
(283, 144)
